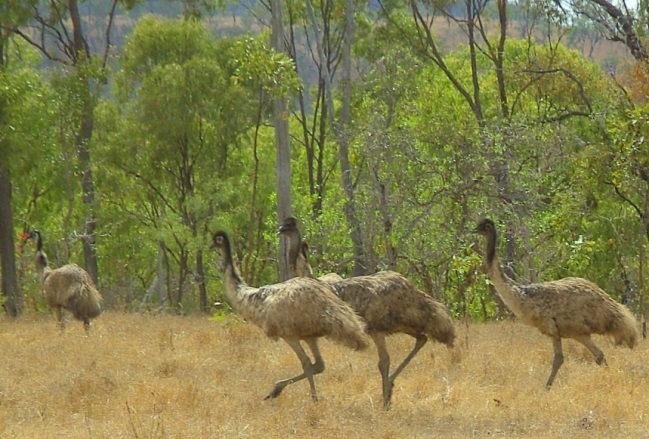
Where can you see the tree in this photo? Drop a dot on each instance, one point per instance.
(193, 110)
(340, 125)
(280, 121)
(10, 288)
(61, 38)
(10, 16)
(616, 21)
(25, 127)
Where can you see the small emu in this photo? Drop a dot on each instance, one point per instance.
(567, 308)
(69, 287)
(295, 310)
(388, 302)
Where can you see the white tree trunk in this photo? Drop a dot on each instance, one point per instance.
(280, 117)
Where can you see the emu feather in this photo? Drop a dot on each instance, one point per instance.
(388, 303)
(295, 310)
(69, 287)
(566, 308)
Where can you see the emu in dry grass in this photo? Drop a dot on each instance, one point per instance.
(388, 303)
(567, 308)
(69, 287)
(295, 310)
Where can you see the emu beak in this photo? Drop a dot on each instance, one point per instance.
(283, 228)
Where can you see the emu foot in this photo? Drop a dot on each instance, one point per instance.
(275, 392)
(387, 395)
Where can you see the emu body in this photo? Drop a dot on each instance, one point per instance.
(566, 308)
(69, 287)
(388, 303)
(295, 310)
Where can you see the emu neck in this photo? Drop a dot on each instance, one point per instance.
(41, 264)
(294, 250)
(241, 296)
(297, 262)
(302, 267)
(507, 288)
(232, 279)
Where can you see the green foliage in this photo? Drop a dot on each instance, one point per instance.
(181, 137)
(182, 146)
(469, 290)
(255, 63)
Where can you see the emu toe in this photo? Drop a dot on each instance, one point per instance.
(275, 392)
(387, 395)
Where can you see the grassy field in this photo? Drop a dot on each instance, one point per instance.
(188, 377)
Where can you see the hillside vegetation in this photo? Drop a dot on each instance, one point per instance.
(141, 376)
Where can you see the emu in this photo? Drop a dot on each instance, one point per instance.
(566, 308)
(388, 303)
(68, 287)
(295, 310)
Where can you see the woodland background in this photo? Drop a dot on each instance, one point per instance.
(131, 130)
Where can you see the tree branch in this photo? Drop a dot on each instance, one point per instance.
(626, 199)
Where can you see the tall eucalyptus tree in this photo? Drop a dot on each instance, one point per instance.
(58, 29)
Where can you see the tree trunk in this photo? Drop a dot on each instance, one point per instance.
(88, 188)
(625, 28)
(280, 118)
(641, 267)
(160, 271)
(340, 128)
(183, 272)
(80, 57)
(200, 280)
(499, 59)
(360, 259)
(10, 289)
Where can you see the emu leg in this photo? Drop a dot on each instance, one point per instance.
(86, 326)
(592, 347)
(318, 366)
(420, 341)
(59, 317)
(307, 366)
(557, 362)
(384, 367)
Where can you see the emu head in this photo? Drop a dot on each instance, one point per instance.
(288, 226)
(35, 235)
(220, 240)
(485, 227)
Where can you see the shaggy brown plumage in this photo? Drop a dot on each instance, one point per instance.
(69, 287)
(567, 308)
(388, 303)
(298, 309)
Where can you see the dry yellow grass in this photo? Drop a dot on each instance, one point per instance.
(180, 377)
